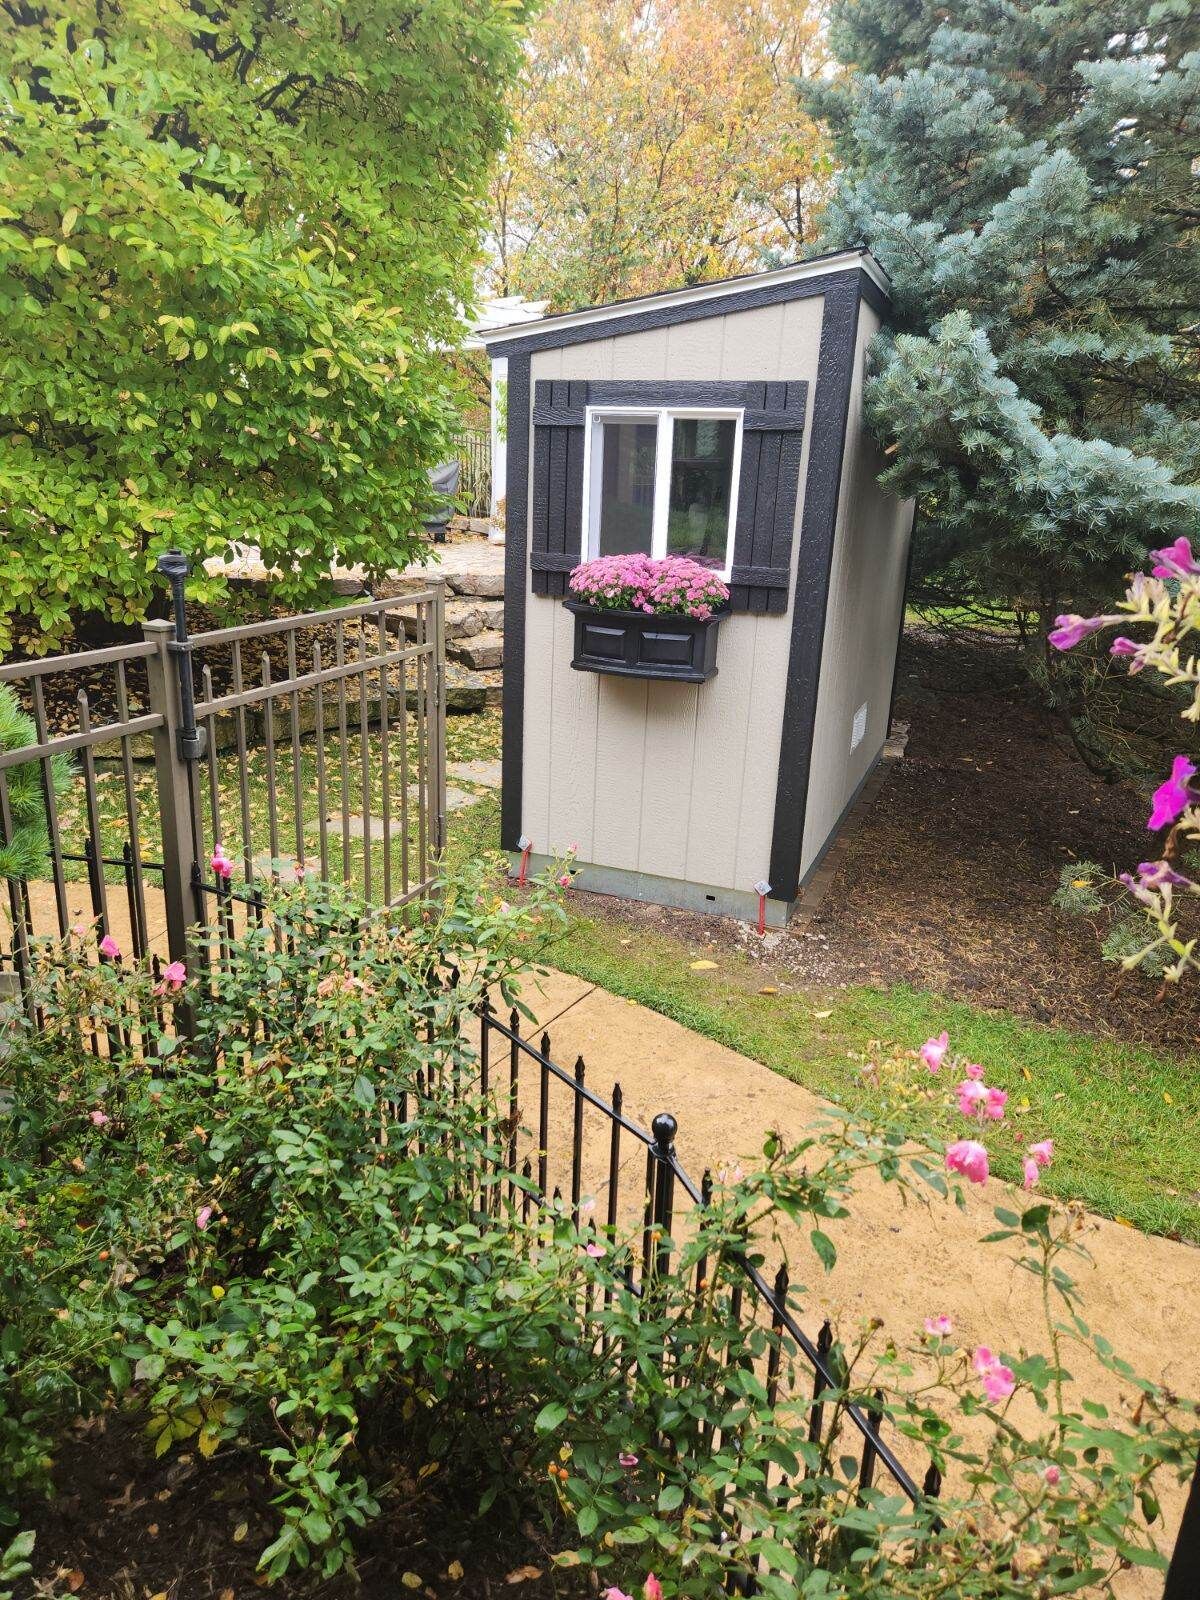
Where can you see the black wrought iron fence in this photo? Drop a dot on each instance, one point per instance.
(563, 1158)
(581, 1146)
(305, 743)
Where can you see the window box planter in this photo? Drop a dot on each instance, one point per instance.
(630, 644)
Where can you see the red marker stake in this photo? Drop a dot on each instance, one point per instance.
(762, 890)
(524, 845)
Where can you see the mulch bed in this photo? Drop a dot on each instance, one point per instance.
(123, 1526)
(947, 878)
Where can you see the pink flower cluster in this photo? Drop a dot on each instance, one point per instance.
(1172, 797)
(997, 1379)
(651, 1590)
(674, 585)
(968, 1157)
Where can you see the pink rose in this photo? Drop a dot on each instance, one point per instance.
(1042, 1152)
(941, 1327)
(997, 1379)
(933, 1050)
(99, 1119)
(110, 948)
(972, 1097)
(997, 1099)
(203, 1217)
(968, 1158)
(173, 978)
(1051, 1475)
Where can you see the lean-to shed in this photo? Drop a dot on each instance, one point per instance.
(724, 422)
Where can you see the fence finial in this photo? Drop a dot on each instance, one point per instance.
(664, 1128)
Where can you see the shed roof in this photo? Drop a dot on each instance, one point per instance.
(667, 299)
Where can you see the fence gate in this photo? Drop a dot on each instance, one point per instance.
(303, 744)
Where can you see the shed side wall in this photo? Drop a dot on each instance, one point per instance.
(673, 780)
(866, 594)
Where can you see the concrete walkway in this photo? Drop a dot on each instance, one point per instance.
(899, 1263)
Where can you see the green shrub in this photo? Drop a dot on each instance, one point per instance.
(296, 1236)
(252, 1235)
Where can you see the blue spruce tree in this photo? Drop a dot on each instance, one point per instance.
(1029, 175)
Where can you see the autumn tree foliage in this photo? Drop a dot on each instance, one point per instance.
(235, 242)
(658, 143)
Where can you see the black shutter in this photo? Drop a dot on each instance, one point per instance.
(559, 407)
(772, 436)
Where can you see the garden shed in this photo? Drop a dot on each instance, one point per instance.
(692, 765)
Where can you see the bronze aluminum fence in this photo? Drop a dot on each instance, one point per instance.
(563, 1164)
(473, 447)
(306, 743)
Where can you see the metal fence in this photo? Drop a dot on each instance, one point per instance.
(581, 1145)
(473, 447)
(312, 743)
(579, 1148)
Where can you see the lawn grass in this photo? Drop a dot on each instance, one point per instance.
(467, 738)
(1123, 1117)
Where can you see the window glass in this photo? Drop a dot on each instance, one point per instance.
(627, 461)
(701, 483)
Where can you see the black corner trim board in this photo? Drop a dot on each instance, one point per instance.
(843, 292)
(818, 525)
(516, 522)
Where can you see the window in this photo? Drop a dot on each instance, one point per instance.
(661, 482)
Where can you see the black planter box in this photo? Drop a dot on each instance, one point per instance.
(631, 644)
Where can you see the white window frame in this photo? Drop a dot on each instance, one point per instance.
(666, 417)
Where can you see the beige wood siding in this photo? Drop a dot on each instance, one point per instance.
(866, 593)
(674, 780)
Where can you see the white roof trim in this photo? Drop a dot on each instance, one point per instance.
(844, 261)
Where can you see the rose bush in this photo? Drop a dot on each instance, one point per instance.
(715, 1471)
(295, 1236)
(673, 585)
(1155, 923)
(258, 1239)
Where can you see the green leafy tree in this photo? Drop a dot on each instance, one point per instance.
(235, 243)
(1027, 174)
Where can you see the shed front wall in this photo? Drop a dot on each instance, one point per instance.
(862, 623)
(675, 781)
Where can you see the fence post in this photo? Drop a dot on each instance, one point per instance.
(439, 717)
(1183, 1577)
(664, 1128)
(173, 782)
